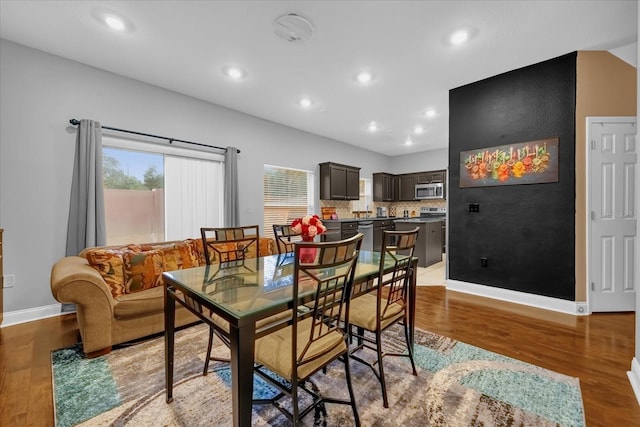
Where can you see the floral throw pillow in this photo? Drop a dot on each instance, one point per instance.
(179, 257)
(200, 251)
(189, 254)
(142, 270)
(110, 265)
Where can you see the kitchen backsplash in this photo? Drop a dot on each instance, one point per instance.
(345, 208)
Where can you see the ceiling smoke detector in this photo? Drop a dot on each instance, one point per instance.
(293, 28)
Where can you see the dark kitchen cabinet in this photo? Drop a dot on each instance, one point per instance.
(339, 182)
(349, 229)
(378, 227)
(423, 178)
(407, 186)
(430, 177)
(339, 230)
(384, 187)
(429, 244)
(333, 233)
(437, 176)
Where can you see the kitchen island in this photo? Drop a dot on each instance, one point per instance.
(429, 245)
(371, 227)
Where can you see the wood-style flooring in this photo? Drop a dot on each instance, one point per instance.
(598, 349)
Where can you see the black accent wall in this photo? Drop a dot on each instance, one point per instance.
(525, 232)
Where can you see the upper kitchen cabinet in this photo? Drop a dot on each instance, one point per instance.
(339, 182)
(430, 177)
(384, 187)
(407, 186)
(438, 176)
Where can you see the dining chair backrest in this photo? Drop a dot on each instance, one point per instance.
(374, 312)
(229, 243)
(330, 274)
(397, 251)
(285, 238)
(312, 335)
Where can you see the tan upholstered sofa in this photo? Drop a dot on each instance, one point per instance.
(118, 290)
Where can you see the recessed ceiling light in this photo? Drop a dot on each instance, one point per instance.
(408, 141)
(418, 129)
(112, 20)
(234, 73)
(365, 77)
(306, 103)
(430, 113)
(459, 37)
(115, 22)
(373, 126)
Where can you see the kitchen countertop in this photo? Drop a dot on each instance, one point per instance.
(396, 218)
(418, 219)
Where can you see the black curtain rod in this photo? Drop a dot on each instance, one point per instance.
(75, 122)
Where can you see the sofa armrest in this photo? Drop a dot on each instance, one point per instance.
(73, 280)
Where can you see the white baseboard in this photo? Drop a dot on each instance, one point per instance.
(634, 377)
(30, 314)
(539, 301)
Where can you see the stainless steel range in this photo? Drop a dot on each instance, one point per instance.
(432, 212)
(427, 213)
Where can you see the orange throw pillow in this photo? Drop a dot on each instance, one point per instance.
(110, 265)
(142, 270)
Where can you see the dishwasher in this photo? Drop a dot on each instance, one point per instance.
(366, 228)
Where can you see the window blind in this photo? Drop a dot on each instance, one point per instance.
(288, 194)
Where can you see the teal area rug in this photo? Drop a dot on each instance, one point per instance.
(457, 385)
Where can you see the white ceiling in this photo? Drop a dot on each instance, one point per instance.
(185, 45)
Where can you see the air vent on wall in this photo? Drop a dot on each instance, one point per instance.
(293, 28)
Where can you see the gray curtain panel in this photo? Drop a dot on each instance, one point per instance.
(87, 227)
(231, 214)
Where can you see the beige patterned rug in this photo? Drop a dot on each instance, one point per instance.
(457, 385)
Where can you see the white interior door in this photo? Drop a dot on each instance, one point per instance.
(613, 213)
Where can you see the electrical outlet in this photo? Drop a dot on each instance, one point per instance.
(9, 280)
(474, 207)
(484, 262)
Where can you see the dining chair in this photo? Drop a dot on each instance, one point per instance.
(285, 238)
(314, 336)
(224, 244)
(225, 247)
(387, 304)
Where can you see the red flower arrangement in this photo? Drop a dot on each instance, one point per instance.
(308, 227)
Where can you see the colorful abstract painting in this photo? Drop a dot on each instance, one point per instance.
(532, 162)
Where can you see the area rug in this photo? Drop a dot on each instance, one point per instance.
(457, 385)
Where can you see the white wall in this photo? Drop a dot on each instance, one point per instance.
(40, 93)
(427, 161)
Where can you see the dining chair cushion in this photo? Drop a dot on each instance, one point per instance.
(274, 350)
(363, 312)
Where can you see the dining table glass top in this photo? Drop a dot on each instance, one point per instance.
(255, 287)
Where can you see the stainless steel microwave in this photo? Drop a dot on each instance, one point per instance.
(429, 191)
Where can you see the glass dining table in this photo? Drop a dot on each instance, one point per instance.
(244, 292)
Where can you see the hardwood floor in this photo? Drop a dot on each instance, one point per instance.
(598, 349)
